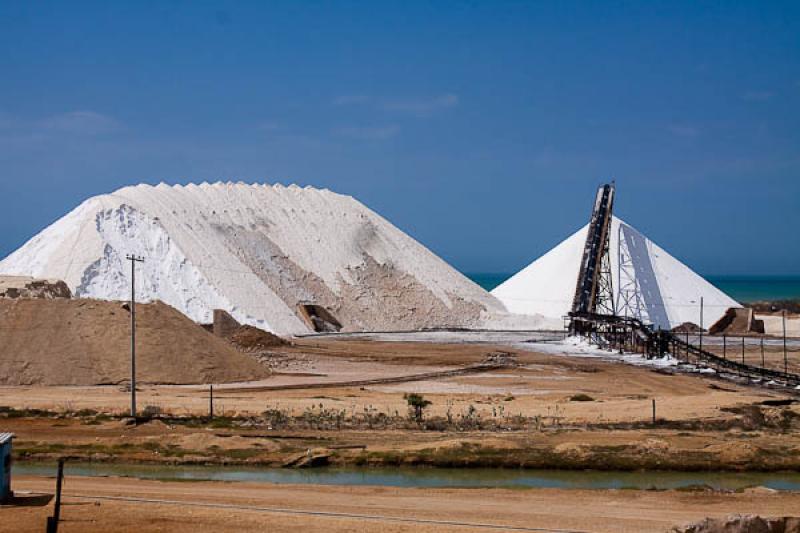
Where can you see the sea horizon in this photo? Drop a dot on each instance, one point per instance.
(744, 289)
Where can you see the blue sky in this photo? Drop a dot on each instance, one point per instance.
(481, 128)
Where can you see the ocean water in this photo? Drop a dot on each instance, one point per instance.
(740, 288)
(488, 280)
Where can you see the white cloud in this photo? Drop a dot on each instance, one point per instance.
(757, 96)
(684, 130)
(268, 125)
(79, 122)
(368, 133)
(424, 107)
(350, 99)
(17, 133)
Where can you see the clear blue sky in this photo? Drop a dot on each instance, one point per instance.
(481, 128)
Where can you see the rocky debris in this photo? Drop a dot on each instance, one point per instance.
(260, 344)
(282, 362)
(310, 458)
(252, 339)
(28, 287)
(501, 359)
(771, 306)
(742, 524)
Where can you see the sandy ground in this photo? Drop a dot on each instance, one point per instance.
(540, 385)
(702, 422)
(90, 504)
(699, 425)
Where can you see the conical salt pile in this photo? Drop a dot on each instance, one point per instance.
(648, 283)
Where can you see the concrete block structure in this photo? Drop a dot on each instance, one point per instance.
(5, 466)
(224, 324)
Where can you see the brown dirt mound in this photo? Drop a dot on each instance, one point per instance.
(87, 342)
(251, 339)
(686, 326)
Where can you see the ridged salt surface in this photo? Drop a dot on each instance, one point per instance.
(661, 290)
(257, 251)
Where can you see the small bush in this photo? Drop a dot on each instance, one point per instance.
(581, 398)
(150, 411)
(416, 405)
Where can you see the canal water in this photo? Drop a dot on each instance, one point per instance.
(431, 477)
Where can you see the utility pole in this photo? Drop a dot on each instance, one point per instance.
(133, 259)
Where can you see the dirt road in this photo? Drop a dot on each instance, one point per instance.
(121, 504)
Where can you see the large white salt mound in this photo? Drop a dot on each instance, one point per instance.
(660, 289)
(257, 251)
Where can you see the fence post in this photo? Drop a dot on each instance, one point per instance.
(654, 411)
(785, 360)
(742, 350)
(52, 521)
(724, 346)
(687, 343)
(763, 364)
(701, 323)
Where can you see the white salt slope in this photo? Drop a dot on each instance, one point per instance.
(256, 251)
(670, 291)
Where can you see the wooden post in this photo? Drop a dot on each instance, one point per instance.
(763, 365)
(52, 521)
(654, 411)
(785, 360)
(724, 346)
(687, 343)
(701, 323)
(742, 350)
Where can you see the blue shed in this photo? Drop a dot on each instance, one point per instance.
(5, 466)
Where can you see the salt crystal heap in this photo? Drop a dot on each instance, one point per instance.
(258, 252)
(648, 283)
